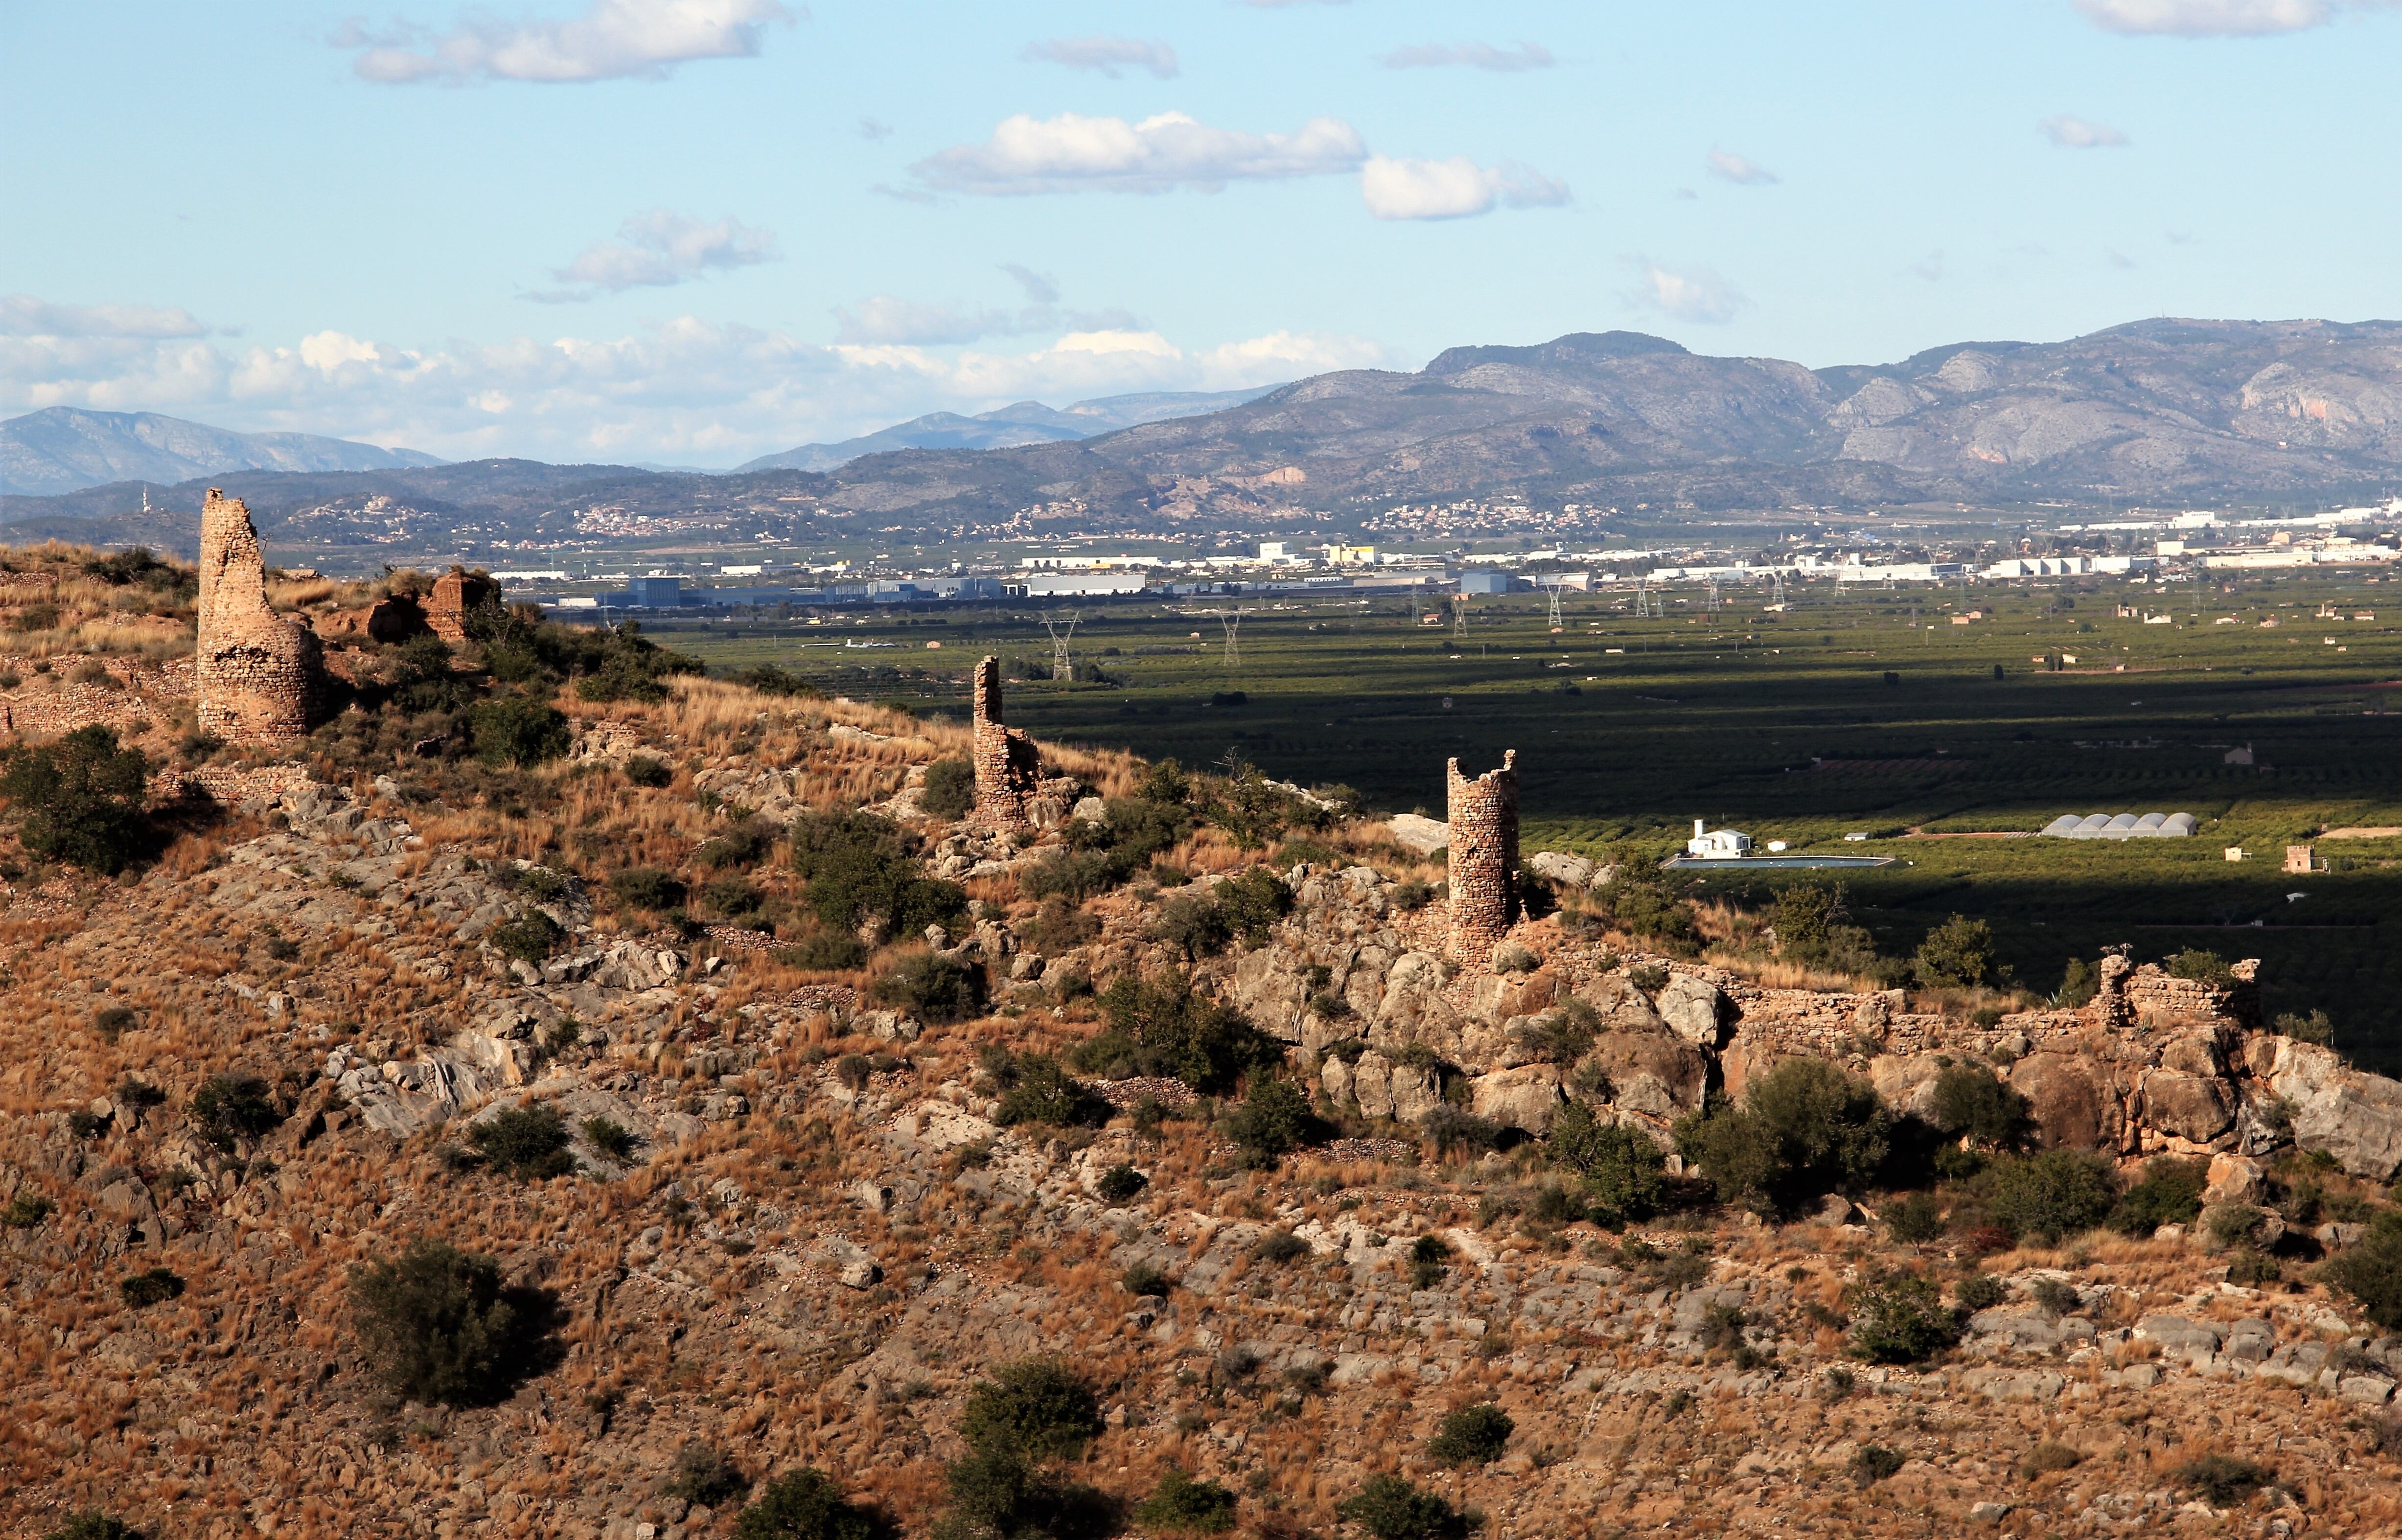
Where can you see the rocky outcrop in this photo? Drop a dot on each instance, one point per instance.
(261, 677)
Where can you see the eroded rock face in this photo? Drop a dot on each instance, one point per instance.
(2353, 1116)
(261, 677)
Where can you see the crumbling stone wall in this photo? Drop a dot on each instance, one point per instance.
(456, 592)
(261, 677)
(1008, 768)
(1483, 815)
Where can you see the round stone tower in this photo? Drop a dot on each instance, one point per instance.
(1008, 767)
(260, 676)
(1483, 858)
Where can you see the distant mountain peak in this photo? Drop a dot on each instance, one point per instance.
(66, 448)
(1576, 348)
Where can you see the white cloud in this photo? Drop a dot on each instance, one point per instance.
(656, 249)
(1041, 288)
(1071, 153)
(1693, 294)
(612, 40)
(685, 390)
(1726, 166)
(1474, 56)
(1106, 54)
(22, 315)
(2077, 134)
(2207, 18)
(872, 130)
(1456, 189)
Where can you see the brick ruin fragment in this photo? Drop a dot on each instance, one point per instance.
(260, 676)
(1008, 768)
(456, 592)
(1483, 858)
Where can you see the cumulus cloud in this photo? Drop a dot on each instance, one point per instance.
(2208, 18)
(1106, 54)
(1742, 171)
(610, 40)
(1474, 56)
(655, 249)
(2077, 134)
(888, 319)
(684, 390)
(22, 315)
(1457, 188)
(1691, 294)
(1072, 153)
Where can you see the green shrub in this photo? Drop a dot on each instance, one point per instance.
(1622, 1170)
(92, 1524)
(1805, 1128)
(996, 1494)
(1977, 1291)
(823, 952)
(1160, 1026)
(2371, 1271)
(156, 1287)
(1146, 1278)
(934, 987)
(1566, 1035)
(1970, 1102)
(1036, 1407)
(2079, 984)
(1959, 954)
(1915, 1219)
(1802, 916)
(1165, 782)
(1274, 1120)
(1873, 1463)
(1898, 1318)
(1280, 1246)
(531, 937)
(705, 1474)
(739, 845)
(2050, 1194)
(2169, 1193)
(805, 1504)
(1252, 902)
(80, 801)
(1390, 1507)
(229, 1108)
(1472, 1436)
(858, 868)
(2222, 1480)
(2050, 1456)
(25, 1210)
(2056, 1296)
(611, 1137)
(514, 729)
(1429, 1260)
(1178, 1505)
(1036, 1090)
(647, 888)
(436, 1325)
(2314, 1028)
(1643, 908)
(1119, 1182)
(622, 664)
(643, 770)
(2200, 966)
(950, 789)
(1194, 923)
(1452, 1129)
(527, 1143)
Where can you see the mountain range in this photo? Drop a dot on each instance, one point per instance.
(66, 448)
(1006, 427)
(2158, 411)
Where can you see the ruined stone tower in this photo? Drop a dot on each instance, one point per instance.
(456, 592)
(1007, 767)
(259, 676)
(1483, 858)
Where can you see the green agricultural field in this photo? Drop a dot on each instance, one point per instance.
(1839, 716)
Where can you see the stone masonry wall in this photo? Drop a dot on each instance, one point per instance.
(260, 676)
(1483, 815)
(456, 592)
(1008, 768)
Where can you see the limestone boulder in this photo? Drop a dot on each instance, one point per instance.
(2352, 1115)
(1522, 1098)
(1421, 835)
(1623, 1006)
(1572, 872)
(1500, 996)
(1387, 1088)
(1696, 1011)
(1906, 1081)
(2072, 1099)
(1656, 1073)
(2196, 1108)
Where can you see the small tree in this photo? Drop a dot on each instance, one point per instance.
(1040, 1091)
(1805, 1128)
(515, 729)
(1802, 915)
(1958, 952)
(1274, 1120)
(706, 1474)
(1900, 1318)
(2169, 1193)
(1036, 1406)
(1622, 1169)
(229, 1108)
(1971, 1103)
(1181, 1505)
(950, 789)
(529, 1143)
(79, 801)
(2371, 1272)
(436, 1325)
(1390, 1507)
(92, 1524)
(2052, 1193)
(805, 1504)
(1472, 1436)
(937, 988)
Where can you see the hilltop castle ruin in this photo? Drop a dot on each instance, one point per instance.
(261, 677)
(1008, 768)
(1483, 814)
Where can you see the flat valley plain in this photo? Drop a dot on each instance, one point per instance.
(1855, 711)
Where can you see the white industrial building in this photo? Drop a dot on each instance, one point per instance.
(1717, 844)
(2123, 826)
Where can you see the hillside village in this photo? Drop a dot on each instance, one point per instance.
(467, 1078)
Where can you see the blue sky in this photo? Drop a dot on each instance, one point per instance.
(697, 230)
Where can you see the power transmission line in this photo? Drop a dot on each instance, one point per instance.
(1063, 662)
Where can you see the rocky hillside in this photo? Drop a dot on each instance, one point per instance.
(1152, 1172)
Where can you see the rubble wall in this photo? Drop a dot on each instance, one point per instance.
(261, 677)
